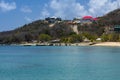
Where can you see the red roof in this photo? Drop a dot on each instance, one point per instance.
(87, 17)
(95, 19)
(90, 17)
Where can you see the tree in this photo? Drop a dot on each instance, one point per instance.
(110, 37)
(113, 37)
(76, 38)
(28, 37)
(104, 37)
(90, 36)
(72, 38)
(44, 37)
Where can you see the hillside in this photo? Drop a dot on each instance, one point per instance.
(112, 18)
(58, 30)
(31, 31)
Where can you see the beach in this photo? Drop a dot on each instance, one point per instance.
(113, 44)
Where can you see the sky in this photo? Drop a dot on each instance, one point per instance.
(16, 13)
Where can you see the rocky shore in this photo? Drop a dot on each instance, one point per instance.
(74, 44)
(56, 44)
(109, 44)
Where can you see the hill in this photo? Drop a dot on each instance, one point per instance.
(58, 30)
(112, 18)
(32, 31)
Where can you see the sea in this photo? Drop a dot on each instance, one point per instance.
(59, 63)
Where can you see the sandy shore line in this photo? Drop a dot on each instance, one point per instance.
(113, 44)
(109, 44)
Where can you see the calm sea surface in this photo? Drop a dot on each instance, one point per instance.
(59, 63)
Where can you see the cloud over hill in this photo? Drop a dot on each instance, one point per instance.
(68, 8)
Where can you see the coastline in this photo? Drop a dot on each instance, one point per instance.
(56, 44)
(107, 44)
(104, 44)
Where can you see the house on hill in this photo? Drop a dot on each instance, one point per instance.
(85, 20)
(117, 28)
(88, 20)
(77, 20)
(112, 29)
(53, 19)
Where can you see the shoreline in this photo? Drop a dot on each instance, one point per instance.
(56, 44)
(109, 44)
(104, 44)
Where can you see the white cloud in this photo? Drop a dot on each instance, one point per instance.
(72, 8)
(27, 19)
(5, 6)
(97, 7)
(45, 13)
(63, 8)
(26, 9)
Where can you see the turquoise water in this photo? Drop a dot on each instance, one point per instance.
(59, 63)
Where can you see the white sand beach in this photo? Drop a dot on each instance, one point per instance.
(107, 44)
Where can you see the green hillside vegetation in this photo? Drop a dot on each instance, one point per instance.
(41, 31)
(111, 18)
(33, 31)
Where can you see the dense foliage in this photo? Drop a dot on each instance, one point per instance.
(110, 37)
(43, 31)
(74, 38)
(44, 37)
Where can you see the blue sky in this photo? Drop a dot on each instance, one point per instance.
(15, 13)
